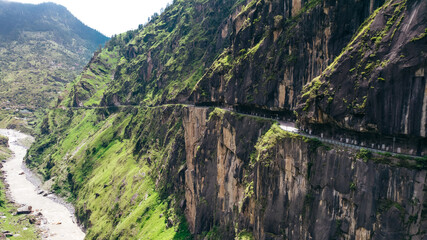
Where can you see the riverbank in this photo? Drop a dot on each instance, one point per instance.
(18, 226)
(23, 187)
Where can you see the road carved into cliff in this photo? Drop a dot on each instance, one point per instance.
(284, 125)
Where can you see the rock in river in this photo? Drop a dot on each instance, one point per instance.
(24, 210)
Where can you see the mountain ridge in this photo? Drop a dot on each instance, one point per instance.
(42, 45)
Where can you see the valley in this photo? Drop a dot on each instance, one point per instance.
(229, 119)
(57, 221)
(42, 48)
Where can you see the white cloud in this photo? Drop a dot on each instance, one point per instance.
(111, 16)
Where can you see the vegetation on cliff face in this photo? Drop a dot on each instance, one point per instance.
(119, 168)
(138, 164)
(167, 57)
(42, 48)
(88, 88)
(383, 67)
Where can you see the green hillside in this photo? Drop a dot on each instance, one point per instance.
(177, 130)
(42, 48)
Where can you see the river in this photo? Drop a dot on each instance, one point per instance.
(58, 221)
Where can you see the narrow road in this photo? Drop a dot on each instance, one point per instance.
(286, 126)
(291, 127)
(59, 223)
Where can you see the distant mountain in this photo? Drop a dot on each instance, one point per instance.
(42, 48)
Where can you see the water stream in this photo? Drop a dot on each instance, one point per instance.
(58, 223)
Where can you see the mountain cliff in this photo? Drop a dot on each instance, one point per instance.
(42, 48)
(171, 131)
(384, 91)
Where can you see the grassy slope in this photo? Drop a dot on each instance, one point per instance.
(166, 58)
(23, 122)
(113, 186)
(88, 88)
(121, 168)
(33, 70)
(35, 62)
(4, 151)
(42, 48)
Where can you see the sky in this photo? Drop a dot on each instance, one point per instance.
(109, 16)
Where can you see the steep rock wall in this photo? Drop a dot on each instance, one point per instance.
(214, 176)
(163, 60)
(230, 175)
(286, 186)
(378, 84)
(277, 47)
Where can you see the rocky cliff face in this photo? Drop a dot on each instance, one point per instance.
(258, 54)
(289, 187)
(215, 176)
(378, 83)
(277, 47)
(167, 57)
(230, 175)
